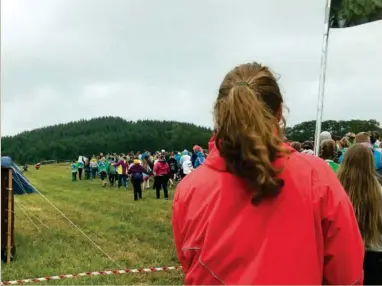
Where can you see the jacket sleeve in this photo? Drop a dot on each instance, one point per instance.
(177, 232)
(343, 244)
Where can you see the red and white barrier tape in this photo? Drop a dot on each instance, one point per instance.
(96, 273)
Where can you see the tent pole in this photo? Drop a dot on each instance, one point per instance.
(321, 88)
(10, 193)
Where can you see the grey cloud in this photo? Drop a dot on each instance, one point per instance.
(66, 60)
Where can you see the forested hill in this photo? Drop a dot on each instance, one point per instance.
(105, 134)
(114, 134)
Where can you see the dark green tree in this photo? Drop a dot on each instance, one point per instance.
(305, 130)
(113, 134)
(106, 134)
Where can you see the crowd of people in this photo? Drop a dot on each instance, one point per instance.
(333, 148)
(165, 168)
(262, 210)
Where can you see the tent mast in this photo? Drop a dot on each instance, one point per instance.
(321, 88)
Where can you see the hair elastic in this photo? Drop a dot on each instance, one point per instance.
(242, 83)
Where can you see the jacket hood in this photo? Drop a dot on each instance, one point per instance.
(215, 161)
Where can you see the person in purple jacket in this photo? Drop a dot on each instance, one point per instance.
(136, 171)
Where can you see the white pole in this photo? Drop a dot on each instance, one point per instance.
(321, 88)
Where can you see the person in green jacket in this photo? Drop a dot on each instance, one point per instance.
(80, 167)
(328, 152)
(103, 168)
(74, 168)
(112, 171)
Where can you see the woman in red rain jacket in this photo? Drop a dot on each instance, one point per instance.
(266, 214)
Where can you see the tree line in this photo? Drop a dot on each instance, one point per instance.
(105, 134)
(305, 130)
(113, 134)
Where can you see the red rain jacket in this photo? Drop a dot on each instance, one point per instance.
(161, 168)
(308, 234)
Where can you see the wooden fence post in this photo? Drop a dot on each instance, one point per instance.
(10, 210)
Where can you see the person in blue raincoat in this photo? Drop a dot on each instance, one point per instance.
(199, 160)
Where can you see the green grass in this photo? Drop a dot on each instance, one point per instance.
(134, 234)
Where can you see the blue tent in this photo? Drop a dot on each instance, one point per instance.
(20, 184)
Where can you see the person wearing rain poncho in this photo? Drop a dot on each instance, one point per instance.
(185, 155)
(199, 157)
(74, 169)
(186, 165)
(103, 168)
(177, 157)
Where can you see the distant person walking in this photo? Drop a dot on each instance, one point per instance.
(103, 168)
(187, 167)
(161, 173)
(74, 169)
(80, 165)
(112, 172)
(173, 168)
(93, 167)
(136, 171)
(122, 167)
(87, 169)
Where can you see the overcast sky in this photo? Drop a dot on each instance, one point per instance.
(70, 59)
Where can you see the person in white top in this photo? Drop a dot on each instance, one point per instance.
(185, 156)
(187, 165)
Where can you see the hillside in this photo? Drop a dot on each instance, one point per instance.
(105, 134)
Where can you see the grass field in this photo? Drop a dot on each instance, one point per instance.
(134, 234)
